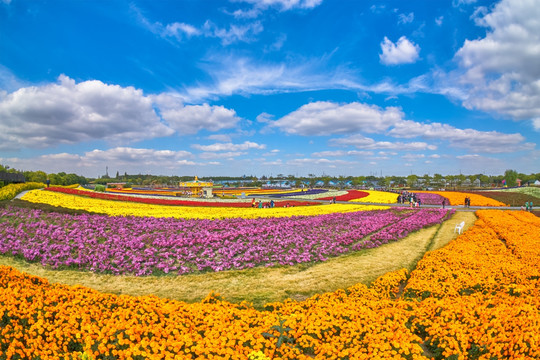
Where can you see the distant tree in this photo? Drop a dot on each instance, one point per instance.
(326, 180)
(411, 180)
(511, 176)
(484, 179)
(35, 176)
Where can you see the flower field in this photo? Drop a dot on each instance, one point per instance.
(144, 246)
(328, 194)
(507, 197)
(476, 298)
(8, 192)
(378, 197)
(123, 208)
(458, 198)
(533, 191)
(159, 200)
(351, 195)
(430, 199)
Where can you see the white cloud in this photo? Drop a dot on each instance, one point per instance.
(307, 162)
(284, 5)
(387, 153)
(224, 155)
(469, 157)
(413, 157)
(274, 152)
(405, 19)
(402, 52)
(475, 140)
(458, 3)
(326, 118)
(338, 153)
(501, 69)
(439, 20)
(94, 163)
(264, 117)
(128, 156)
(67, 113)
(363, 142)
(220, 137)
(246, 145)
(190, 119)
(235, 33)
(180, 31)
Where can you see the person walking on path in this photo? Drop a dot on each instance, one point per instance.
(443, 203)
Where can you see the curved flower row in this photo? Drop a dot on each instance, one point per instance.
(144, 246)
(427, 198)
(9, 192)
(351, 195)
(378, 197)
(329, 194)
(162, 201)
(453, 307)
(299, 193)
(482, 291)
(533, 191)
(122, 208)
(458, 198)
(417, 220)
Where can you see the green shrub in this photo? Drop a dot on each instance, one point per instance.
(100, 188)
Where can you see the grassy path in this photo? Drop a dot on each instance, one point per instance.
(262, 285)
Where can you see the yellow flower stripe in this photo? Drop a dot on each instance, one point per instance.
(8, 192)
(458, 198)
(378, 197)
(121, 208)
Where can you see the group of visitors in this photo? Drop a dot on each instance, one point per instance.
(528, 206)
(263, 205)
(411, 198)
(467, 202)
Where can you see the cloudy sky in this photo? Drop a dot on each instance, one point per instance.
(267, 87)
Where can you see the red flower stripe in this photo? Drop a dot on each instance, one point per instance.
(351, 195)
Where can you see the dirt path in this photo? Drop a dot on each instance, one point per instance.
(262, 285)
(447, 233)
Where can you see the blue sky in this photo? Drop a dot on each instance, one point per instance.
(267, 87)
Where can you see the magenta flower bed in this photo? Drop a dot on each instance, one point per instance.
(398, 230)
(144, 246)
(431, 199)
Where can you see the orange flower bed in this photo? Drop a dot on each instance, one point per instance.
(476, 298)
(458, 198)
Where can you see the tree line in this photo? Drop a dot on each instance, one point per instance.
(510, 178)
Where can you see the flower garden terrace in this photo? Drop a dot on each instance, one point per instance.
(309, 197)
(476, 298)
(147, 245)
